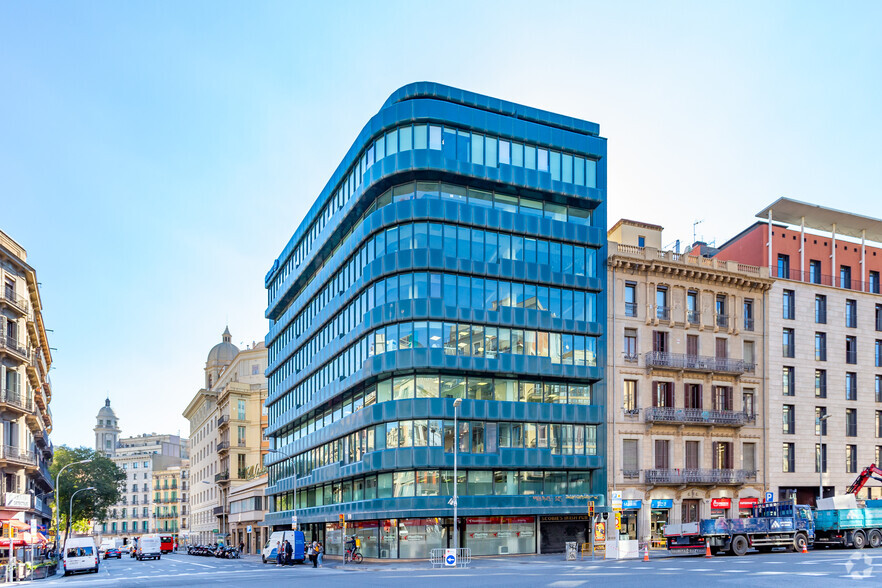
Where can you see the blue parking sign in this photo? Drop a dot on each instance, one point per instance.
(770, 497)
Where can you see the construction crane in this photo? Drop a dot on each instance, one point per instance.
(870, 472)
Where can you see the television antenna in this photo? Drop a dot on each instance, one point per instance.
(695, 224)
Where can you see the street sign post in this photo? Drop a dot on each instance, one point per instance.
(450, 558)
(770, 497)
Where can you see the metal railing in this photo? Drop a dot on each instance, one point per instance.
(13, 453)
(844, 282)
(630, 309)
(15, 398)
(12, 345)
(693, 317)
(18, 302)
(222, 476)
(223, 445)
(698, 362)
(663, 312)
(664, 414)
(437, 557)
(223, 419)
(695, 476)
(748, 324)
(722, 320)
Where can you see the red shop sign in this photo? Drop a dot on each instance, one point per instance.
(748, 502)
(721, 502)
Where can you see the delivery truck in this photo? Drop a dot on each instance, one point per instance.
(771, 524)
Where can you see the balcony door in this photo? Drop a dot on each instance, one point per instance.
(662, 454)
(692, 462)
(722, 455)
(722, 398)
(693, 396)
(692, 345)
(663, 394)
(722, 348)
(659, 342)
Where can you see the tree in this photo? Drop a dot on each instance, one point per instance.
(101, 473)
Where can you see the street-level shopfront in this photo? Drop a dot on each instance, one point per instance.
(630, 519)
(659, 515)
(415, 538)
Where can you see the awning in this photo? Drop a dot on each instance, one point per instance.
(16, 524)
(17, 542)
(37, 539)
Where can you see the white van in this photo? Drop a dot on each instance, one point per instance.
(295, 538)
(149, 547)
(80, 555)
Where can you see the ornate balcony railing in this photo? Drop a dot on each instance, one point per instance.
(223, 445)
(697, 476)
(663, 312)
(223, 419)
(17, 302)
(630, 309)
(12, 345)
(18, 454)
(693, 317)
(15, 398)
(222, 476)
(722, 320)
(700, 363)
(664, 414)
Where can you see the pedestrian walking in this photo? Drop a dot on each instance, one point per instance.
(289, 553)
(312, 554)
(279, 553)
(321, 552)
(241, 547)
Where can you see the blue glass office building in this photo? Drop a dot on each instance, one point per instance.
(456, 252)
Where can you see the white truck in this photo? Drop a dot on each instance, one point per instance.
(109, 544)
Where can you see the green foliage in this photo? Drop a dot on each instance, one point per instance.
(101, 473)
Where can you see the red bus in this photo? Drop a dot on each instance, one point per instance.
(166, 543)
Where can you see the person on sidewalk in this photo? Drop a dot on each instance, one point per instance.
(241, 548)
(279, 552)
(313, 556)
(289, 553)
(321, 551)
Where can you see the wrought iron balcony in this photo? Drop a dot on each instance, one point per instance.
(696, 416)
(223, 445)
(13, 300)
(663, 312)
(697, 476)
(222, 476)
(218, 511)
(223, 419)
(15, 398)
(11, 345)
(693, 317)
(17, 454)
(630, 309)
(722, 321)
(748, 324)
(698, 363)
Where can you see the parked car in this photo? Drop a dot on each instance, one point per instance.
(80, 555)
(112, 552)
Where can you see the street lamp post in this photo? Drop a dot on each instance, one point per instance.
(820, 420)
(456, 404)
(58, 493)
(70, 509)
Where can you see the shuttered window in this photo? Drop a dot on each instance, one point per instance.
(629, 455)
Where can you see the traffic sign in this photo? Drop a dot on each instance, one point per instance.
(450, 557)
(770, 497)
(616, 500)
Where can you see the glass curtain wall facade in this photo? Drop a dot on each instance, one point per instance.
(456, 252)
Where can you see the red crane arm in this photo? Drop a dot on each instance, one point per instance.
(870, 472)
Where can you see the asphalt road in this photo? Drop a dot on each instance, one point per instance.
(773, 570)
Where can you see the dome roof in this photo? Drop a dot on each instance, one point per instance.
(106, 411)
(225, 351)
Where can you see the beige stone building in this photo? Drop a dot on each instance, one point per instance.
(686, 382)
(25, 391)
(241, 392)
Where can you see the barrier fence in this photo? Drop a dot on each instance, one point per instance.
(438, 557)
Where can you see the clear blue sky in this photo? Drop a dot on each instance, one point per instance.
(155, 157)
